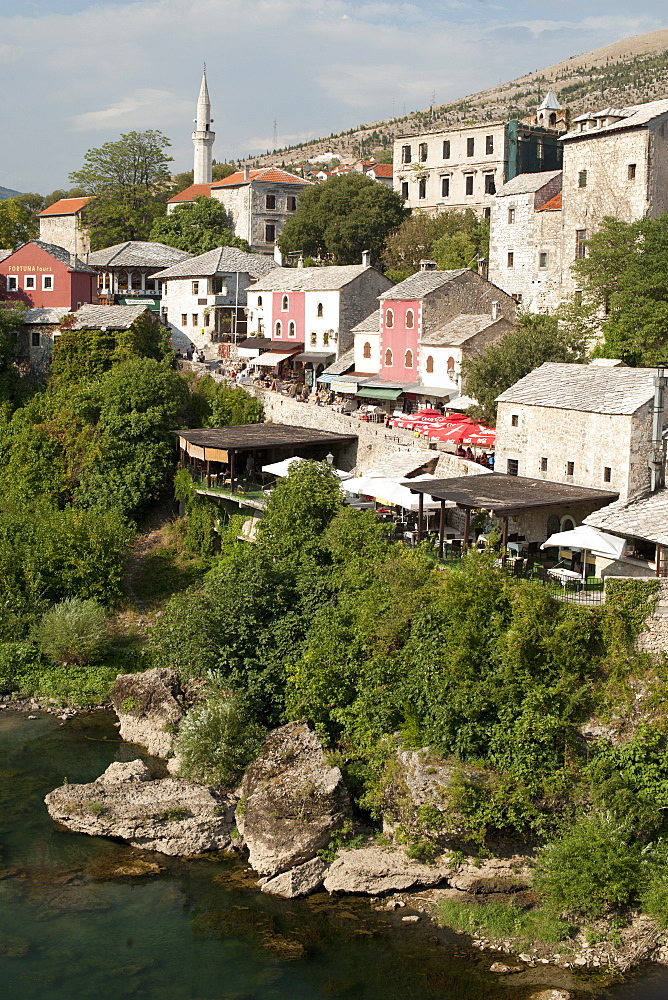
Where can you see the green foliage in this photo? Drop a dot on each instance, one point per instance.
(17, 224)
(196, 227)
(536, 340)
(504, 920)
(338, 220)
(453, 239)
(74, 631)
(302, 505)
(71, 685)
(344, 838)
(81, 355)
(174, 814)
(221, 404)
(627, 605)
(217, 740)
(129, 180)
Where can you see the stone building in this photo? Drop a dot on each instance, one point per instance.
(204, 297)
(128, 270)
(42, 275)
(62, 225)
(36, 338)
(588, 425)
(463, 167)
(525, 240)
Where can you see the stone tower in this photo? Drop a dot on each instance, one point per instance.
(203, 137)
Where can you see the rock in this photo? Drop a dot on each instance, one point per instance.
(376, 871)
(410, 920)
(551, 995)
(149, 706)
(504, 970)
(300, 881)
(291, 802)
(169, 815)
(504, 875)
(32, 716)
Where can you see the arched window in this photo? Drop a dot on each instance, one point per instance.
(291, 329)
(553, 119)
(320, 309)
(388, 358)
(366, 353)
(410, 319)
(408, 359)
(430, 365)
(553, 525)
(285, 303)
(259, 301)
(389, 319)
(451, 365)
(279, 328)
(567, 523)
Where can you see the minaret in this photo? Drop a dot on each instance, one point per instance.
(203, 137)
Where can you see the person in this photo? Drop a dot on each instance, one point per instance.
(189, 352)
(200, 357)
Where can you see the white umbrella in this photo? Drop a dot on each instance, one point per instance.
(283, 468)
(388, 490)
(587, 539)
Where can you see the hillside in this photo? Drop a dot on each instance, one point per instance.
(630, 71)
(7, 193)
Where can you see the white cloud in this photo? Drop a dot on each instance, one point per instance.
(134, 111)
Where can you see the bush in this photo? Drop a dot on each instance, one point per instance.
(217, 740)
(505, 920)
(77, 686)
(592, 868)
(74, 631)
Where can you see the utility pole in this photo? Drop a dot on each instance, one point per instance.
(275, 135)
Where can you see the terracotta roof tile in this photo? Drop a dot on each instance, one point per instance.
(553, 205)
(268, 175)
(192, 192)
(66, 206)
(382, 169)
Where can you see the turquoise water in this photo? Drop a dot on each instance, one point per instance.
(198, 930)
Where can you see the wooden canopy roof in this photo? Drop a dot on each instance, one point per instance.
(253, 437)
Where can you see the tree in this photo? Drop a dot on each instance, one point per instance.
(60, 193)
(218, 172)
(197, 227)
(17, 224)
(624, 279)
(130, 182)
(343, 217)
(453, 239)
(536, 340)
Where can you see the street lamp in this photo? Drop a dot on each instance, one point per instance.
(329, 458)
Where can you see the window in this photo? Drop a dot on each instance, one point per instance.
(446, 149)
(278, 329)
(632, 172)
(408, 359)
(511, 216)
(47, 282)
(577, 298)
(570, 468)
(319, 309)
(517, 297)
(514, 420)
(404, 190)
(607, 474)
(410, 319)
(35, 338)
(195, 287)
(292, 329)
(406, 154)
(195, 319)
(451, 365)
(313, 337)
(12, 283)
(429, 366)
(490, 186)
(542, 258)
(389, 319)
(470, 146)
(543, 465)
(511, 259)
(489, 144)
(285, 304)
(184, 319)
(270, 201)
(422, 152)
(512, 467)
(582, 179)
(325, 337)
(540, 154)
(486, 213)
(445, 187)
(422, 187)
(580, 243)
(29, 281)
(292, 203)
(388, 358)
(366, 350)
(469, 183)
(259, 301)
(269, 232)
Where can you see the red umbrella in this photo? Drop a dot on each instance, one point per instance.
(454, 433)
(482, 437)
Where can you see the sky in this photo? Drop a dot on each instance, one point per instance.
(75, 74)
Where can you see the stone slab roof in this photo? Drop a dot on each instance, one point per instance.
(459, 330)
(248, 436)
(66, 206)
(342, 364)
(586, 388)
(136, 253)
(371, 324)
(50, 315)
(420, 284)
(64, 256)
(404, 463)
(310, 279)
(644, 517)
(527, 183)
(222, 260)
(90, 317)
(508, 495)
(5, 253)
(635, 116)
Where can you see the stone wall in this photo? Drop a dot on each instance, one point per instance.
(65, 231)
(654, 636)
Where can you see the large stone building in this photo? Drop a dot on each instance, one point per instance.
(588, 425)
(463, 167)
(61, 224)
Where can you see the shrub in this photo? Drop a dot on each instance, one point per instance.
(217, 740)
(74, 631)
(592, 868)
(504, 920)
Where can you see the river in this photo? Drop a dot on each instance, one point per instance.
(199, 930)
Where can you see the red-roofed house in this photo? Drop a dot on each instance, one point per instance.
(61, 224)
(258, 202)
(381, 172)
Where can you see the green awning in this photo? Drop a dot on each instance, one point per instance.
(376, 392)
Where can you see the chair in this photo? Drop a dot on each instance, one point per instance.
(542, 574)
(518, 567)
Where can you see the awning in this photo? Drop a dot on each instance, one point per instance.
(375, 392)
(343, 386)
(271, 358)
(256, 343)
(316, 358)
